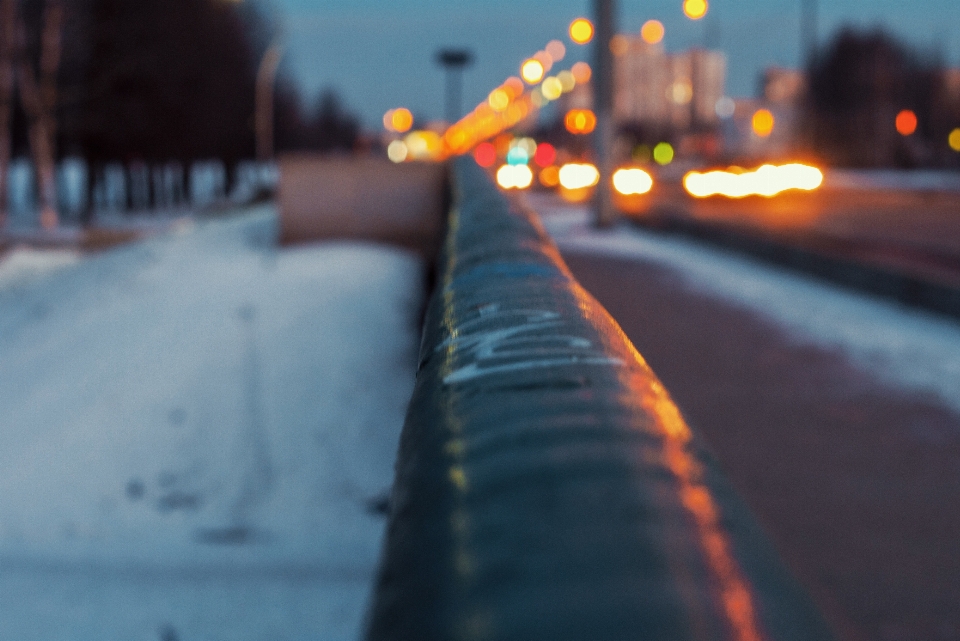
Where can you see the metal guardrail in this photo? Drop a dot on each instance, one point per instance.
(547, 487)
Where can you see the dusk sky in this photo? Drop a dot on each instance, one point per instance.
(379, 54)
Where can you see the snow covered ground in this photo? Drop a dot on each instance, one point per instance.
(194, 431)
(898, 345)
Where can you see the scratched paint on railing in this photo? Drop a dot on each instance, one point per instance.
(518, 337)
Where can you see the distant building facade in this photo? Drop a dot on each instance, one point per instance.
(660, 91)
(677, 92)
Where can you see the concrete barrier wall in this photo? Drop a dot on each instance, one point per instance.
(324, 197)
(547, 487)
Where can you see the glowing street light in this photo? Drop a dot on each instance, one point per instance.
(954, 139)
(695, 9)
(581, 72)
(906, 122)
(532, 71)
(762, 123)
(652, 31)
(580, 121)
(581, 31)
(398, 120)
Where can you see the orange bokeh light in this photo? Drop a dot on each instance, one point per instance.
(580, 121)
(906, 122)
(652, 31)
(619, 45)
(399, 120)
(695, 9)
(763, 122)
(581, 31)
(581, 72)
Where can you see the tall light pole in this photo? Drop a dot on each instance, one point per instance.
(605, 24)
(263, 107)
(453, 62)
(808, 29)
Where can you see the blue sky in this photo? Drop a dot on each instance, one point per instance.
(379, 54)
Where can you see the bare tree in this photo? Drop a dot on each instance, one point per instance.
(39, 99)
(8, 34)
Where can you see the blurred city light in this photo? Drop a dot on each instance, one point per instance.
(424, 145)
(578, 175)
(663, 153)
(545, 59)
(517, 156)
(551, 88)
(580, 121)
(954, 139)
(619, 45)
(768, 181)
(581, 31)
(485, 154)
(545, 155)
(652, 31)
(514, 86)
(397, 151)
(725, 107)
(399, 120)
(529, 145)
(514, 176)
(556, 49)
(633, 180)
(567, 81)
(906, 122)
(681, 92)
(498, 99)
(762, 123)
(532, 71)
(695, 9)
(581, 72)
(550, 176)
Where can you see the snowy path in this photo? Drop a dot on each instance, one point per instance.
(192, 432)
(910, 348)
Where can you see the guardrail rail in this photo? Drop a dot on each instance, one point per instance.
(547, 487)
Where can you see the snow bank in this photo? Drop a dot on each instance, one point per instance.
(24, 264)
(896, 344)
(193, 431)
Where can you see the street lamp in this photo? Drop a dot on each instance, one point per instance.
(453, 61)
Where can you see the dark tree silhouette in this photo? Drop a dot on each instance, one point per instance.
(858, 84)
(328, 127)
(159, 81)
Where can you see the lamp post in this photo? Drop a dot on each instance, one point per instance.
(605, 21)
(453, 61)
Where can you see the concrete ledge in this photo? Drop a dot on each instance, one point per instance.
(325, 197)
(547, 487)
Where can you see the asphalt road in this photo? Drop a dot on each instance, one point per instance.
(917, 232)
(857, 483)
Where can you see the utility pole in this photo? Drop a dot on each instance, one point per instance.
(808, 30)
(453, 61)
(605, 21)
(263, 109)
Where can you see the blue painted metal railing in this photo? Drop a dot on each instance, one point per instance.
(547, 487)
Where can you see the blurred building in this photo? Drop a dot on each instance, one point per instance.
(660, 92)
(667, 91)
